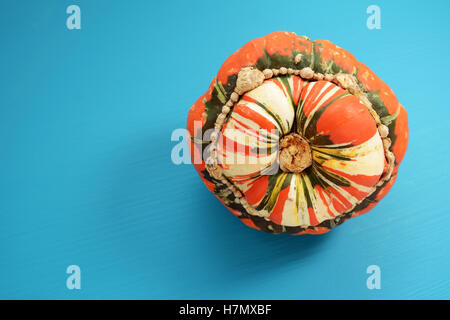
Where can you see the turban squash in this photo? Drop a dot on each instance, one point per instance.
(297, 136)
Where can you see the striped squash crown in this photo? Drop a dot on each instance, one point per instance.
(296, 136)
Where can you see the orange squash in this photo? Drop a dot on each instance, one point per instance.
(296, 136)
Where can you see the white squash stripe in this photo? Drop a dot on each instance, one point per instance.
(236, 124)
(359, 187)
(245, 165)
(290, 216)
(263, 135)
(275, 100)
(290, 80)
(235, 162)
(297, 216)
(303, 100)
(235, 128)
(366, 158)
(353, 184)
(240, 163)
(320, 104)
(322, 212)
(301, 215)
(283, 89)
(332, 146)
(347, 196)
(324, 88)
(255, 108)
(234, 132)
(236, 117)
(308, 91)
(244, 185)
(320, 209)
(330, 205)
(241, 158)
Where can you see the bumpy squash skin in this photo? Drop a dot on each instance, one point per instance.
(273, 51)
